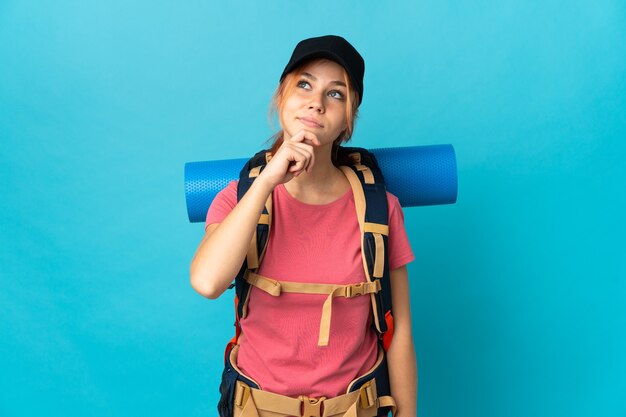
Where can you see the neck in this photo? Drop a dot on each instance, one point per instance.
(323, 172)
(325, 181)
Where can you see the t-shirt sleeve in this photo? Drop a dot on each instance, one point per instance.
(400, 252)
(222, 204)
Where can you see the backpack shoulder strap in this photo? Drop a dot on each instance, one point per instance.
(370, 197)
(248, 174)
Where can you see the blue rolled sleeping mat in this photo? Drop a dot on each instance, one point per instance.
(417, 175)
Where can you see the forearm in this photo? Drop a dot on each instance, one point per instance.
(401, 353)
(222, 251)
(403, 373)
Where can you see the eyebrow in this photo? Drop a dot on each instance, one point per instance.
(311, 76)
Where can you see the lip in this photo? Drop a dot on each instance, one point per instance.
(308, 121)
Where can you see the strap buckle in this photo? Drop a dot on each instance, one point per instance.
(355, 290)
(367, 396)
(311, 407)
(242, 393)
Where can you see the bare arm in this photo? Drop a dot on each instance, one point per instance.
(225, 245)
(401, 353)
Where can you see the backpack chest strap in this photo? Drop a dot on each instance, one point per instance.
(275, 288)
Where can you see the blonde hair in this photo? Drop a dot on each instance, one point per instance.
(287, 87)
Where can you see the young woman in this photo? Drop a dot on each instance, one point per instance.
(314, 238)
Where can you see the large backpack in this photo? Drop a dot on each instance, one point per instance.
(368, 187)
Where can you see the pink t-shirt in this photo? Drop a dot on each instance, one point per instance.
(319, 244)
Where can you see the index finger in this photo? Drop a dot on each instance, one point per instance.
(309, 138)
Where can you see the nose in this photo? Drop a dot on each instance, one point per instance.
(317, 103)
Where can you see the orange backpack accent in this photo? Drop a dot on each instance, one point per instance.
(233, 342)
(388, 335)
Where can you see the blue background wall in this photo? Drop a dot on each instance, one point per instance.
(518, 290)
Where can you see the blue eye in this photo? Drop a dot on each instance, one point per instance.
(336, 94)
(304, 84)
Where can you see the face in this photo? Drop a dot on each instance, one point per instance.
(318, 102)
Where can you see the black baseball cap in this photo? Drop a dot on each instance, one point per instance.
(334, 48)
